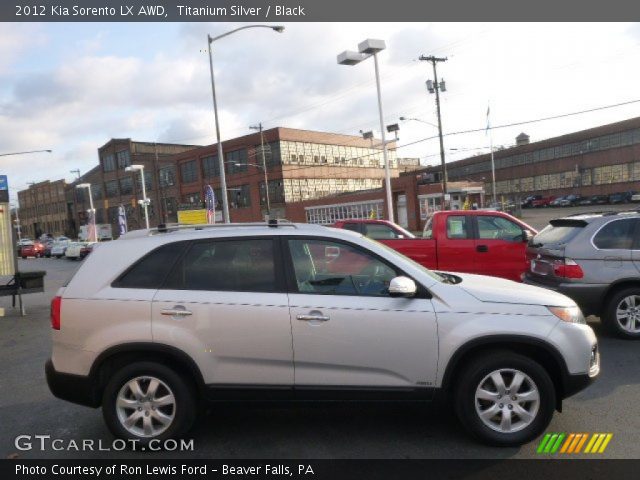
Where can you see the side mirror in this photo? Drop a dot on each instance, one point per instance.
(402, 287)
(526, 236)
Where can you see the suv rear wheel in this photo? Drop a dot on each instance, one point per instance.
(504, 398)
(146, 401)
(622, 313)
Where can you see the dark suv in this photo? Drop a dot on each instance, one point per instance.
(595, 260)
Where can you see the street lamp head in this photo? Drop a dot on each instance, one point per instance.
(134, 168)
(393, 127)
(367, 135)
(349, 57)
(371, 46)
(278, 28)
(49, 151)
(402, 119)
(83, 185)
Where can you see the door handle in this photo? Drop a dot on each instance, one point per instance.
(482, 248)
(319, 318)
(176, 312)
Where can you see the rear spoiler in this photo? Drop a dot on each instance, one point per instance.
(568, 222)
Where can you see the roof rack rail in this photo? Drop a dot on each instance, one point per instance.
(601, 212)
(172, 227)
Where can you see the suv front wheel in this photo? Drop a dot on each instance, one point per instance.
(504, 398)
(146, 401)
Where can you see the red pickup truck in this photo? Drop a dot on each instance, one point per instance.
(470, 241)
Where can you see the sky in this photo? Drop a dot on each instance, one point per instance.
(72, 87)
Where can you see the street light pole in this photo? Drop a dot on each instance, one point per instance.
(264, 167)
(223, 178)
(91, 209)
(437, 86)
(145, 200)
(366, 49)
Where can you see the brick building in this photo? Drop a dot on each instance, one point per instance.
(43, 209)
(597, 161)
(301, 165)
(112, 186)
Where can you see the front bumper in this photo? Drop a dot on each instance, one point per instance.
(588, 296)
(72, 388)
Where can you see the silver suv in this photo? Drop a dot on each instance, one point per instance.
(594, 259)
(157, 321)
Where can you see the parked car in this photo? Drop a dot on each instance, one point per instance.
(620, 197)
(376, 229)
(59, 248)
(635, 197)
(570, 201)
(471, 241)
(152, 324)
(35, 249)
(556, 202)
(595, 260)
(599, 200)
(47, 248)
(527, 202)
(78, 250)
(542, 202)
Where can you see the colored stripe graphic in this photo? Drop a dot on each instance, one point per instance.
(573, 443)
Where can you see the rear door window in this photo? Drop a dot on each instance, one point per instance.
(243, 265)
(498, 228)
(616, 235)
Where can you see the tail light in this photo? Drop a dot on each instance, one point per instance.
(56, 304)
(567, 268)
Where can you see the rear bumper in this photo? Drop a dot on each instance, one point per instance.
(72, 388)
(587, 296)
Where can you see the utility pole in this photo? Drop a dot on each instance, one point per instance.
(34, 200)
(264, 168)
(436, 87)
(76, 217)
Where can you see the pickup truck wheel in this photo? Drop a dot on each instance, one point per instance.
(622, 314)
(505, 399)
(147, 401)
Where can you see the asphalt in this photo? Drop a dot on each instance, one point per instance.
(350, 431)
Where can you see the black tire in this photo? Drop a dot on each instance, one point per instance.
(609, 314)
(183, 391)
(474, 373)
(24, 257)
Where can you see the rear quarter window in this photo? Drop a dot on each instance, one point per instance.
(151, 270)
(616, 235)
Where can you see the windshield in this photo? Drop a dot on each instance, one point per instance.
(431, 273)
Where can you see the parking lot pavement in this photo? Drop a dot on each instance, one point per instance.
(539, 218)
(290, 431)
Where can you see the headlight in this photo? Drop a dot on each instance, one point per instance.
(568, 314)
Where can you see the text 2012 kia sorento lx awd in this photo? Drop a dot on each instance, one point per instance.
(156, 321)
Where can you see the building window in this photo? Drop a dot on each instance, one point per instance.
(111, 188)
(189, 172)
(124, 159)
(239, 196)
(236, 161)
(126, 186)
(276, 192)
(108, 163)
(211, 166)
(193, 199)
(167, 176)
(96, 191)
(148, 181)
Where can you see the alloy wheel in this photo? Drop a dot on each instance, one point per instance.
(507, 400)
(145, 406)
(628, 314)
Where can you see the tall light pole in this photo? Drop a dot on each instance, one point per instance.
(366, 49)
(18, 227)
(91, 209)
(145, 201)
(435, 87)
(264, 167)
(223, 178)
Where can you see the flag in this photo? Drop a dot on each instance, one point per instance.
(210, 204)
(122, 220)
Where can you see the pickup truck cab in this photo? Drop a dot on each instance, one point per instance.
(469, 241)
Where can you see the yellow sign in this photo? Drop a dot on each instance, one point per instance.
(192, 217)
